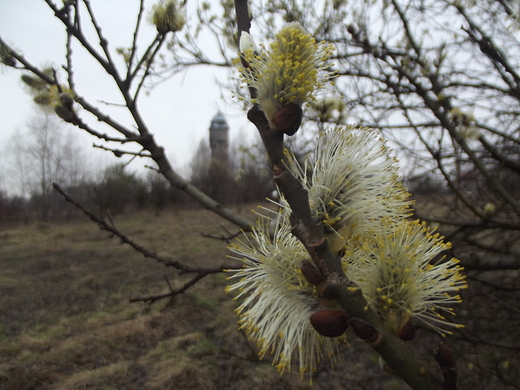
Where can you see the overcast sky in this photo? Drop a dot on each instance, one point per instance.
(178, 111)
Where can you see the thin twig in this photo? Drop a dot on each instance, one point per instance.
(120, 153)
(103, 42)
(227, 238)
(153, 298)
(149, 62)
(133, 50)
(146, 253)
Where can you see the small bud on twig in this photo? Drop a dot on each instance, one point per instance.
(364, 330)
(313, 275)
(64, 113)
(330, 323)
(288, 119)
(247, 43)
(407, 331)
(445, 358)
(66, 99)
(386, 366)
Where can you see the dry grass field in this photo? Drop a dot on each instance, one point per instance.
(66, 321)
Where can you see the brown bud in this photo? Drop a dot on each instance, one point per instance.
(407, 331)
(364, 329)
(66, 99)
(8, 60)
(444, 356)
(352, 30)
(312, 274)
(330, 323)
(288, 119)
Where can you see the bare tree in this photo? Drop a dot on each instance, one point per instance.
(42, 154)
(17, 171)
(440, 80)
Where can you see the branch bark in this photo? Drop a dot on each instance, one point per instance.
(338, 287)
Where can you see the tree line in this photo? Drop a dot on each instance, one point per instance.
(47, 152)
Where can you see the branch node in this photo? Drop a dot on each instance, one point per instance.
(366, 331)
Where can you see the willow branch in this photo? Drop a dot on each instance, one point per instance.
(150, 61)
(173, 292)
(304, 227)
(102, 117)
(139, 248)
(147, 141)
(147, 52)
(508, 163)
(133, 50)
(120, 153)
(392, 349)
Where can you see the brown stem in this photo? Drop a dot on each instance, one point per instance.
(184, 268)
(153, 298)
(303, 223)
(304, 227)
(444, 357)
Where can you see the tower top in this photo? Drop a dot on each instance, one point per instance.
(219, 122)
(218, 138)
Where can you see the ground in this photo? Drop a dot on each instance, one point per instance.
(66, 321)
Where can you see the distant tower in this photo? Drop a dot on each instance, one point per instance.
(218, 139)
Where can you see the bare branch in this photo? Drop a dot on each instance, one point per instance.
(153, 298)
(149, 62)
(304, 227)
(444, 357)
(146, 253)
(144, 58)
(120, 153)
(103, 42)
(133, 50)
(227, 238)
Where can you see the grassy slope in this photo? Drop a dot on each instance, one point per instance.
(65, 320)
